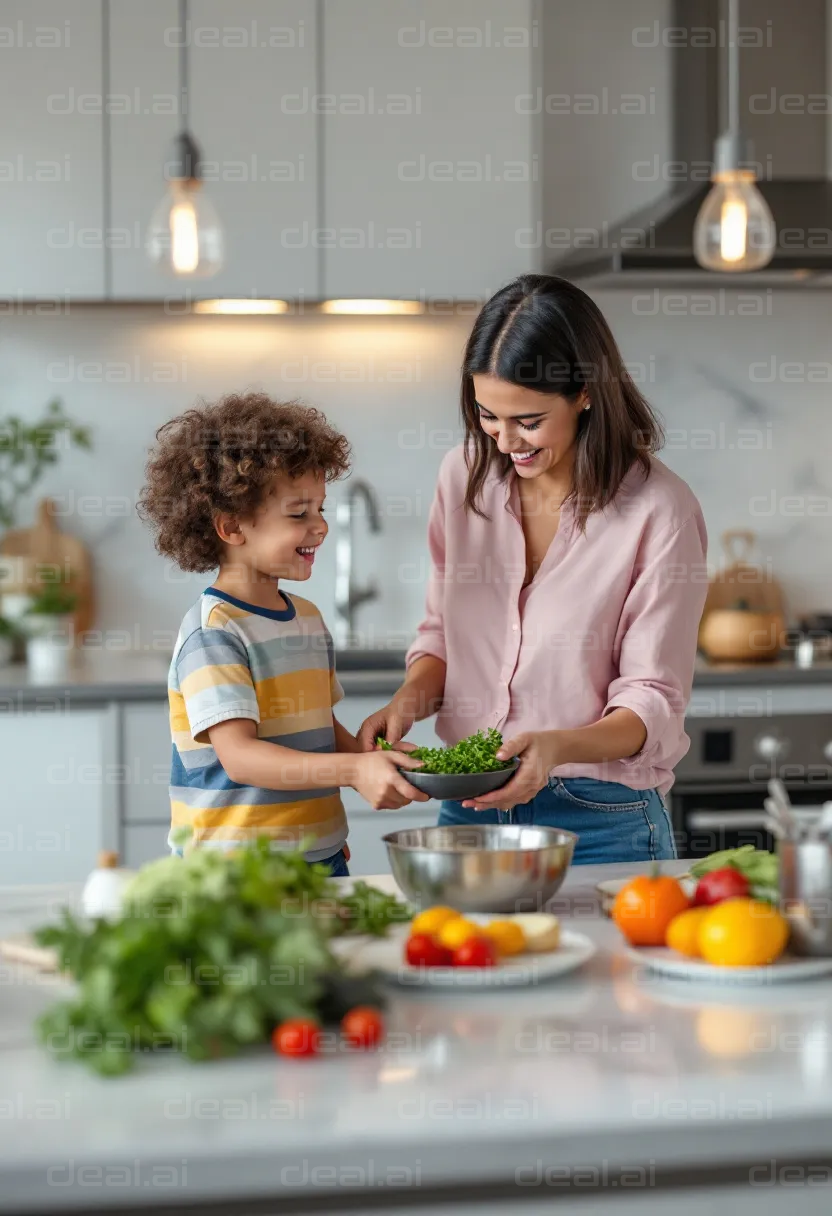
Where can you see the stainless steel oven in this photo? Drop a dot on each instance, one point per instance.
(717, 800)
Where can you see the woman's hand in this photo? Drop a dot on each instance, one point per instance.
(391, 722)
(539, 752)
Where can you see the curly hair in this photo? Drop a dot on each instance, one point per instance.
(223, 458)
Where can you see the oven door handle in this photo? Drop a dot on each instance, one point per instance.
(704, 820)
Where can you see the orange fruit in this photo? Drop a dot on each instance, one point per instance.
(454, 932)
(645, 906)
(506, 935)
(683, 931)
(742, 933)
(432, 919)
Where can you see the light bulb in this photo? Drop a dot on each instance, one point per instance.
(735, 230)
(185, 236)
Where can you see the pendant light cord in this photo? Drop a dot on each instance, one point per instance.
(733, 65)
(183, 64)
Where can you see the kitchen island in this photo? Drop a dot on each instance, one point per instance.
(608, 1086)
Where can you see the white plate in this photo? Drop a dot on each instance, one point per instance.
(609, 889)
(784, 971)
(386, 955)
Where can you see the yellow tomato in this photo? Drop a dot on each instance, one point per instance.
(432, 919)
(742, 933)
(506, 935)
(683, 931)
(454, 932)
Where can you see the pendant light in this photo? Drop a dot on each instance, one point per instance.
(734, 230)
(185, 236)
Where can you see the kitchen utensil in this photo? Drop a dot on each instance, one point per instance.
(782, 971)
(741, 580)
(739, 635)
(773, 823)
(55, 551)
(386, 955)
(781, 809)
(481, 867)
(457, 786)
(806, 895)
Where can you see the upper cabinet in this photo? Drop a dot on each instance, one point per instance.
(252, 68)
(431, 180)
(390, 153)
(51, 163)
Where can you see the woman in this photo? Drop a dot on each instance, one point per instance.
(567, 584)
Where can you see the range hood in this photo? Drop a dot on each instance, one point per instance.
(787, 120)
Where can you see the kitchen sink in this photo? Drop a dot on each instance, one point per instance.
(355, 659)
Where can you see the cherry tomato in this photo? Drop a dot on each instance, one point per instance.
(297, 1037)
(424, 951)
(363, 1026)
(476, 952)
(720, 885)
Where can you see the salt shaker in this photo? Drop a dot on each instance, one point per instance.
(104, 889)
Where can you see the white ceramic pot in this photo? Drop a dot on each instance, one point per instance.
(14, 605)
(49, 645)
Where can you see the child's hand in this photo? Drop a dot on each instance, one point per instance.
(379, 780)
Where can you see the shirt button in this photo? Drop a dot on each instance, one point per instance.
(515, 627)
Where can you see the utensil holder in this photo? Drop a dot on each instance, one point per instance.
(806, 895)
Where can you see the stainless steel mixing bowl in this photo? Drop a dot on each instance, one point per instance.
(480, 867)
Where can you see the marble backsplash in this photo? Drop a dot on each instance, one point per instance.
(743, 382)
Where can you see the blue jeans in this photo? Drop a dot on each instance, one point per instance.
(613, 822)
(337, 863)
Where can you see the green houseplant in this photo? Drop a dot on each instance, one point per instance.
(49, 629)
(27, 450)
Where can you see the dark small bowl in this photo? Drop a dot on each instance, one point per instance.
(458, 786)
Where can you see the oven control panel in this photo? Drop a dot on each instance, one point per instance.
(794, 747)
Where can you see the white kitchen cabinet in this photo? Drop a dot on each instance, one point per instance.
(146, 759)
(57, 808)
(51, 167)
(431, 175)
(252, 76)
(144, 842)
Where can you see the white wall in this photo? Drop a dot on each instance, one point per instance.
(753, 442)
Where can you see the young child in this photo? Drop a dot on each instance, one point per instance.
(240, 485)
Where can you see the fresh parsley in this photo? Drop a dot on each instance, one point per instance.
(476, 754)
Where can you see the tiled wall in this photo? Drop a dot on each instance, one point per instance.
(743, 382)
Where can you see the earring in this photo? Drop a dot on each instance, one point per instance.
(588, 404)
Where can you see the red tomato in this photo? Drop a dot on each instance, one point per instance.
(720, 885)
(424, 951)
(297, 1037)
(362, 1026)
(476, 952)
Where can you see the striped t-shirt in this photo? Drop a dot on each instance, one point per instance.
(276, 667)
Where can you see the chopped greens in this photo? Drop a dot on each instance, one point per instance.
(476, 754)
(212, 952)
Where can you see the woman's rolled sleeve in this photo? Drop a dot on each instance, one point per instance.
(657, 641)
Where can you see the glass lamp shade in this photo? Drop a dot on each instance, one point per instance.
(185, 236)
(735, 230)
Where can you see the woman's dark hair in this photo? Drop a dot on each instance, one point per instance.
(545, 334)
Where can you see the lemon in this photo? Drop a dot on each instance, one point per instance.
(683, 931)
(432, 919)
(454, 932)
(742, 933)
(506, 935)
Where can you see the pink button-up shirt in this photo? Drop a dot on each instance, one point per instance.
(610, 619)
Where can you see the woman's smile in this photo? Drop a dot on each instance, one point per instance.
(525, 457)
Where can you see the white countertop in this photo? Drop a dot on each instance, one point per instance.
(607, 1068)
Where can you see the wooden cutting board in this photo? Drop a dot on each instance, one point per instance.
(46, 545)
(22, 948)
(740, 580)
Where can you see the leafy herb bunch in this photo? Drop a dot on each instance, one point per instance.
(212, 952)
(476, 754)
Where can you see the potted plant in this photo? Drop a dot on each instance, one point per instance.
(50, 633)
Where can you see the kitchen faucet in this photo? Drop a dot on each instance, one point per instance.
(348, 596)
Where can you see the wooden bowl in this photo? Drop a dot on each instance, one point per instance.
(737, 635)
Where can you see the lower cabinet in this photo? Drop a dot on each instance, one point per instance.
(368, 852)
(59, 792)
(144, 842)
